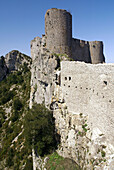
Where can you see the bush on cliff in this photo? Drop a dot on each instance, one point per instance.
(40, 129)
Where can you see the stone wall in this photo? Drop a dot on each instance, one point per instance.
(80, 50)
(83, 108)
(87, 51)
(89, 89)
(89, 147)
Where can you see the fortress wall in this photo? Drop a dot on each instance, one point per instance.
(89, 52)
(80, 50)
(58, 31)
(89, 89)
(96, 52)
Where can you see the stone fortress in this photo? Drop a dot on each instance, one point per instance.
(80, 92)
(58, 34)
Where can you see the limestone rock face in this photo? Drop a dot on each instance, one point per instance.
(3, 68)
(14, 59)
(44, 70)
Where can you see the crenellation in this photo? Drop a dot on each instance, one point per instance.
(80, 50)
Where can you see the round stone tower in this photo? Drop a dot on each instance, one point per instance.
(58, 31)
(96, 52)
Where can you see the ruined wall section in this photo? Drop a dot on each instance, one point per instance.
(80, 50)
(58, 31)
(96, 52)
(87, 51)
(89, 89)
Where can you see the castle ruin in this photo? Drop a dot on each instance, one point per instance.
(80, 94)
(58, 37)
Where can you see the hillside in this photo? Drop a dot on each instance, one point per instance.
(18, 122)
(14, 103)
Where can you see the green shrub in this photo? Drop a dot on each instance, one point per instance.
(17, 104)
(20, 82)
(8, 95)
(9, 160)
(40, 133)
(29, 165)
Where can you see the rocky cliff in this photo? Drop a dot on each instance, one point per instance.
(44, 71)
(50, 84)
(14, 59)
(3, 68)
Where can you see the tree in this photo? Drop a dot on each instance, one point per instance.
(17, 105)
(40, 129)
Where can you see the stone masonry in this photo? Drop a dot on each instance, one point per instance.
(89, 89)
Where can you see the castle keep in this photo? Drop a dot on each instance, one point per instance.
(80, 94)
(58, 37)
(58, 31)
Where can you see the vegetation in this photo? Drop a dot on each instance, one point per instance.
(62, 56)
(14, 100)
(40, 134)
(57, 162)
(22, 129)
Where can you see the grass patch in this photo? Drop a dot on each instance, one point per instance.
(57, 162)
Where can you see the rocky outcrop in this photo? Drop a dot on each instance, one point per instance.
(14, 59)
(3, 68)
(13, 62)
(44, 71)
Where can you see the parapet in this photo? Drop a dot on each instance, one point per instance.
(80, 50)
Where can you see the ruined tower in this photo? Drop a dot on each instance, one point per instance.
(58, 39)
(96, 52)
(58, 31)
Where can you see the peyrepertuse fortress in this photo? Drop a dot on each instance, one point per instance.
(80, 92)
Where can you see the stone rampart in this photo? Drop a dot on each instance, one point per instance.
(89, 89)
(80, 50)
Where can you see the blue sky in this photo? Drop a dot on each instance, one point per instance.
(22, 20)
